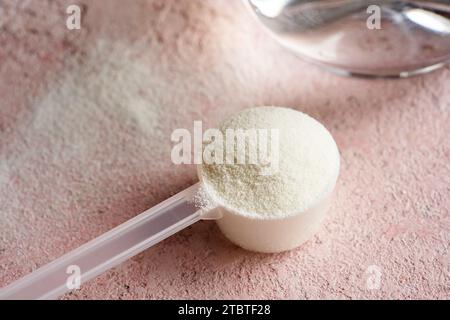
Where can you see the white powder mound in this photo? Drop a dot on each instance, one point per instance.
(308, 167)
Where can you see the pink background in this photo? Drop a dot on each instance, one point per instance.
(65, 180)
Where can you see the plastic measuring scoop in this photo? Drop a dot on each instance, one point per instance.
(111, 248)
(279, 232)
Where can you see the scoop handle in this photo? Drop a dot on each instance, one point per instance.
(108, 250)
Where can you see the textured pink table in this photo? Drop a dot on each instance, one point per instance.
(70, 171)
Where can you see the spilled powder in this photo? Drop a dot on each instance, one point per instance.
(308, 166)
(104, 111)
(203, 200)
(98, 122)
(107, 86)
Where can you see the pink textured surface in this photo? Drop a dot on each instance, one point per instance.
(61, 188)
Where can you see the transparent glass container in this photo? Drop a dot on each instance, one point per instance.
(376, 38)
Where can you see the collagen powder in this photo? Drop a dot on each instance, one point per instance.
(280, 210)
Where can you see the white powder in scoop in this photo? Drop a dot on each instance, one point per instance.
(308, 166)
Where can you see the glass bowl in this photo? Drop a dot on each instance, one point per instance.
(383, 38)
